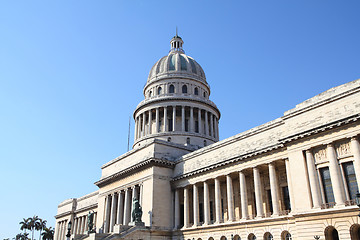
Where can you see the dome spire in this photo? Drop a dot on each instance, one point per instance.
(176, 43)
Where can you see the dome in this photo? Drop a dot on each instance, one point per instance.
(176, 64)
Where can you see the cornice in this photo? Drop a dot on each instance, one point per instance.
(146, 163)
(64, 214)
(92, 206)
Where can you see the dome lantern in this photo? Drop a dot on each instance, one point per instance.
(176, 44)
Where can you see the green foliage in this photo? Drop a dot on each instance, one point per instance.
(34, 224)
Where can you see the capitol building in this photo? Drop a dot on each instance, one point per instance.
(295, 177)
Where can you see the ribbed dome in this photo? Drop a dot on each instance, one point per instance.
(176, 64)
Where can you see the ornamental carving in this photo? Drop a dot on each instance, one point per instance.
(343, 149)
(320, 155)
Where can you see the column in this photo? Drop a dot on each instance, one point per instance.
(79, 226)
(186, 207)
(143, 123)
(177, 210)
(314, 180)
(192, 119)
(206, 204)
(211, 125)
(135, 131)
(134, 195)
(165, 119)
(120, 208)
(58, 233)
(82, 225)
(126, 207)
(174, 118)
(157, 120)
(335, 175)
(230, 198)
(139, 127)
(243, 196)
(113, 212)
(218, 210)
(107, 214)
(182, 118)
(196, 205)
(206, 123)
(355, 149)
(141, 189)
(199, 121)
(289, 182)
(73, 231)
(274, 189)
(150, 122)
(258, 196)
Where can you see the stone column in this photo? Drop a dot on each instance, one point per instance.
(289, 182)
(165, 119)
(199, 121)
(217, 127)
(258, 195)
(143, 124)
(141, 189)
(127, 203)
(206, 204)
(274, 189)
(135, 131)
(211, 125)
(206, 124)
(230, 198)
(355, 150)
(58, 233)
(174, 118)
(150, 122)
(177, 209)
(113, 212)
(218, 209)
(186, 208)
(157, 120)
(182, 118)
(107, 214)
(134, 195)
(139, 127)
(335, 175)
(243, 196)
(314, 180)
(77, 230)
(120, 208)
(192, 119)
(196, 205)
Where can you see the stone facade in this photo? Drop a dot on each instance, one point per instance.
(292, 178)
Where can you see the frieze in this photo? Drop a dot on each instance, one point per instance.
(320, 155)
(343, 149)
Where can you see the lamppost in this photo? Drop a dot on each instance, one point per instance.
(68, 235)
(317, 237)
(357, 199)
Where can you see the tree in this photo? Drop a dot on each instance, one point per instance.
(22, 236)
(42, 226)
(33, 224)
(24, 224)
(48, 233)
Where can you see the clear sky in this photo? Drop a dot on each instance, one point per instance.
(72, 72)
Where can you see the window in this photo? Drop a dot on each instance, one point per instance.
(251, 236)
(186, 125)
(204, 94)
(150, 93)
(211, 211)
(187, 140)
(159, 90)
(286, 197)
(268, 236)
(184, 89)
(350, 178)
(326, 184)
(285, 235)
(270, 201)
(171, 89)
(196, 126)
(331, 233)
(196, 91)
(170, 124)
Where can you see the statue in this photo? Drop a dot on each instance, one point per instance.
(137, 211)
(90, 222)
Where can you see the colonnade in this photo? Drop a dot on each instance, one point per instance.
(118, 207)
(61, 229)
(338, 181)
(80, 224)
(213, 199)
(194, 120)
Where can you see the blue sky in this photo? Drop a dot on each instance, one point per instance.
(72, 72)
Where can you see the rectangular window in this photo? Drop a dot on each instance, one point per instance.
(326, 184)
(286, 198)
(181, 214)
(186, 125)
(170, 124)
(211, 211)
(196, 126)
(270, 201)
(350, 177)
(201, 212)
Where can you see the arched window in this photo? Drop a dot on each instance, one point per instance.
(188, 140)
(184, 89)
(204, 94)
(236, 237)
(196, 91)
(268, 236)
(285, 235)
(171, 89)
(355, 231)
(159, 90)
(150, 93)
(331, 233)
(251, 236)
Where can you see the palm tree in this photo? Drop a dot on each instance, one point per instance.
(22, 236)
(42, 226)
(48, 233)
(33, 225)
(24, 224)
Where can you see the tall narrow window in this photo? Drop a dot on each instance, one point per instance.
(211, 211)
(204, 94)
(350, 177)
(201, 212)
(187, 140)
(184, 89)
(196, 91)
(171, 89)
(270, 201)
(159, 90)
(186, 125)
(150, 93)
(286, 197)
(196, 126)
(326, 184)
(170, 124)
